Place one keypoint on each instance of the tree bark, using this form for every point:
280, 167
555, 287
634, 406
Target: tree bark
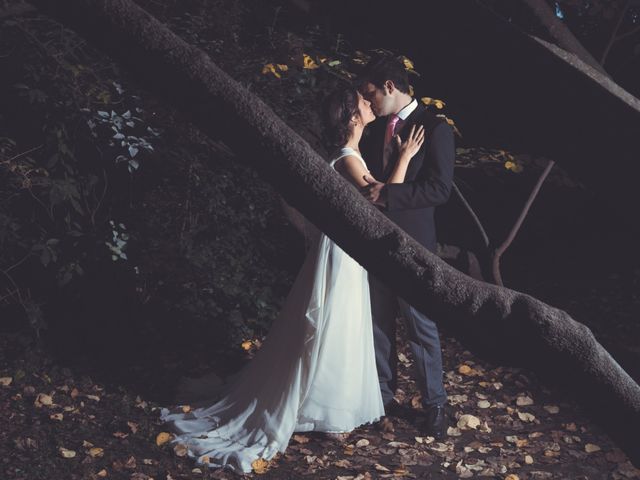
497, 322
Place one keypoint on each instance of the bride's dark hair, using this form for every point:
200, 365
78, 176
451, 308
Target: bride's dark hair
339, 107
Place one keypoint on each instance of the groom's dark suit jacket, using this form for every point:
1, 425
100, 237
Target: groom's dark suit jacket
429, 176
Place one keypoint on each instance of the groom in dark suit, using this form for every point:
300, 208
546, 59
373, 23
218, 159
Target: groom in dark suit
411, 205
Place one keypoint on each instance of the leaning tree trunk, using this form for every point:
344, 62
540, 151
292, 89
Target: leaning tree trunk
561, 34
499, 322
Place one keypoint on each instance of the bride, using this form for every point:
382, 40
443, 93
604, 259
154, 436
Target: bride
316, 370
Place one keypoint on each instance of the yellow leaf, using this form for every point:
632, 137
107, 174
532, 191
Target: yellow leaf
514, 167
102, 473
246, 345
270, 68
411, 91
322, 58
590, 448
528, 459
439, 104
282, 67
426, 100
96, 452
512, 476
66, 453
186, 409
259, 466
5, 381
205, 459
465, 370
162, 438
309, 63
408, 64
56, 416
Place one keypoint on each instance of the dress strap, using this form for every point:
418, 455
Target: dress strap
345, 152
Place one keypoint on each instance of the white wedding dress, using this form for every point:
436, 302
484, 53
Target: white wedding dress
316, 370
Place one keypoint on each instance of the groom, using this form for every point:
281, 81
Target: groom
384, 82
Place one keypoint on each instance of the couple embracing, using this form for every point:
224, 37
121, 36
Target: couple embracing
329, 361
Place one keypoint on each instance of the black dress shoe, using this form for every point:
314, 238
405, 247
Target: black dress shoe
435, 423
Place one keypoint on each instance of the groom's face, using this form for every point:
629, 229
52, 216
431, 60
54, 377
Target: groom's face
381, 101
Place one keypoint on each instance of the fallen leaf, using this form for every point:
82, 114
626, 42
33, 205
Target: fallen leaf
553, 409
457, 399
180, 450
453, 432
268, 68
344, 463
309, 63
96, 452
93, 397
416, 401
523, 401
185, 409
102, 473
528, 459
133, 427
484, 404
526, 417
6, 381
466, 422
43, 400
120, 435
56, 416
259, 466
162, 438
301, 438
512, 476
590, 448
66, 453
387, 425
363, 442
465, 370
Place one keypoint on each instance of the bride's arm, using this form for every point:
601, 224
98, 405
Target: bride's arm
353, 170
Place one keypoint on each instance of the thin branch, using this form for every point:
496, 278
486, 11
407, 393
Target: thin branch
473, 214
633, 31
23, 153
516, 227
613, 38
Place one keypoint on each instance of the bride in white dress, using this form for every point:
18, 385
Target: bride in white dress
316, 370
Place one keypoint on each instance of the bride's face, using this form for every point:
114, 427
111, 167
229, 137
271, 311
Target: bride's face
364, 109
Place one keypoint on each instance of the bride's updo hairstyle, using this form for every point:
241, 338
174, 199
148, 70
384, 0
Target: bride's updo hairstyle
339, 107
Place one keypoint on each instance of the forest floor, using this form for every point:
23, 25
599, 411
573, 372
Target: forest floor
67, 419
62, 423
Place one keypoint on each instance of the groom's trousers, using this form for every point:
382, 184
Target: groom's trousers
424, 342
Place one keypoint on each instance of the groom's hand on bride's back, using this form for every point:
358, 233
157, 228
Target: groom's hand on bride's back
374, 191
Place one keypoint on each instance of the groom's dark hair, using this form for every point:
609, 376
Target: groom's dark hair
385, 67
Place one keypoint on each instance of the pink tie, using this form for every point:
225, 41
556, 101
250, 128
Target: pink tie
391, 128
